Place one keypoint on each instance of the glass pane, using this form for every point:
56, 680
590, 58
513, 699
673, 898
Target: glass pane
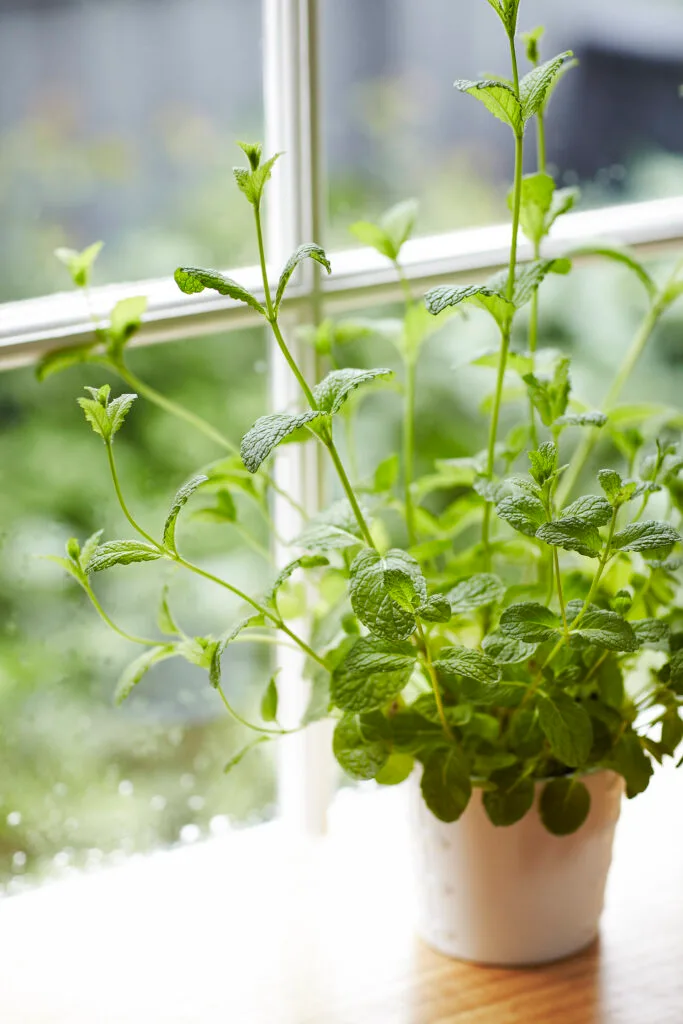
83, 780
117, 122
395, 127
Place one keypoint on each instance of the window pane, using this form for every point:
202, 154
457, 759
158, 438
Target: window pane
117, 122
397, 128
83, 780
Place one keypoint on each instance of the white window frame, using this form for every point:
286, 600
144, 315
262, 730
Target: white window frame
295, 215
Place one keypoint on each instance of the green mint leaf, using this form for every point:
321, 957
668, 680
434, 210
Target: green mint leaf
334, 528
304, 562
531, 276
462, 661
181, 499
97, 416
253, 152
239, 757
625, 258
647, 536
118, 409
124, 322
80, 264
390, 234
224, 511
218, 647
530, 622
537, 198
612, 484
398, 223
269, 701
543, 463
359, 749
523, 512
310, 251
499, 98
89, 548
165, 620
121, 552
372, 674
595, 420
531, 40
653, 632
252, 182
608, 630
525, 734
333, 392
401, 588
590, 509
564, 806
629, 760
572, 534
567, 728
372, 576
63, 359
132, 675
192, 280
386, 474
564, 200
672, 733
505, 650
375, 237
68, 565
398, 768
268, 432
436, 609
478, 591
484, 297
510, 802
517, 362
446, 785
535, 87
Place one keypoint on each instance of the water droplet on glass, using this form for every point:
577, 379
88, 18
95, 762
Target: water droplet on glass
187, 781
14, 818
158, 803
195, 803
126, 787
19, 859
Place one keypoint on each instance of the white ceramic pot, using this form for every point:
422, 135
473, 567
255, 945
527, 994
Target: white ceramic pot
518, 895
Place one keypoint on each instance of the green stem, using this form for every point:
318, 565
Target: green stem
431, 671
560, 593
112, 625
590, 438
540, 136
507, 330
267, 612
348, 490
171, 407
249, 725
310, 398
122, 501
409, 446
199, 424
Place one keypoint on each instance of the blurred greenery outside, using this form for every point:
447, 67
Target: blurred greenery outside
80, 781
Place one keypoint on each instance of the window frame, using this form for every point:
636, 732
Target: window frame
30, 328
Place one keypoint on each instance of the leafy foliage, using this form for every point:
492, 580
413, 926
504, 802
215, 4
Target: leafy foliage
481, 622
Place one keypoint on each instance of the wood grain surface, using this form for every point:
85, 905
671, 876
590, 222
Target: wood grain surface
259, 928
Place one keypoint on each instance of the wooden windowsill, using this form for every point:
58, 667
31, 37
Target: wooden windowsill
259, 928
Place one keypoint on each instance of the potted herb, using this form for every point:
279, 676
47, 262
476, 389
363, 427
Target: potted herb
517, 657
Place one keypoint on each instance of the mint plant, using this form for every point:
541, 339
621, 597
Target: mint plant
524, 633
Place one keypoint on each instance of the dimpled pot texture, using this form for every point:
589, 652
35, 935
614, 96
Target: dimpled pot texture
513, 896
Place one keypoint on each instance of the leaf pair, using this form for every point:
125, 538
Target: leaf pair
492, 297
502, 100
330, 396
105, 415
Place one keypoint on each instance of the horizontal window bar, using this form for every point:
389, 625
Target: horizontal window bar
360, 277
